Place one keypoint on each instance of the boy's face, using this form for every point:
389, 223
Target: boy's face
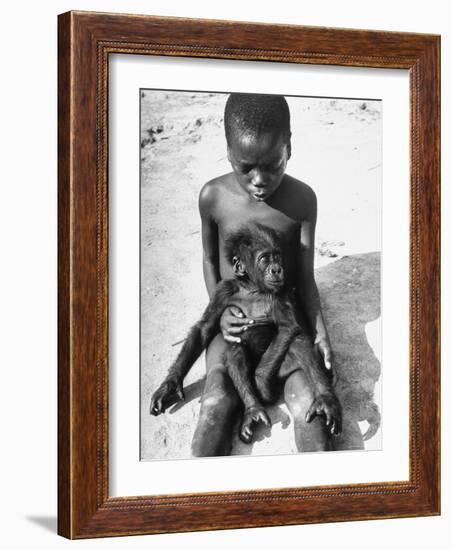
259, 162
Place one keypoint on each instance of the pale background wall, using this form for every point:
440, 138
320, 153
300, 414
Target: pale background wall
28, 277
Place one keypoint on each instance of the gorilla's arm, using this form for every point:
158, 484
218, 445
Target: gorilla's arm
197, 340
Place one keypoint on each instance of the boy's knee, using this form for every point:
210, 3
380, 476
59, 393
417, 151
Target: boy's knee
214, 353
213, 432
218, 405
218, 402
299, 402
219, 389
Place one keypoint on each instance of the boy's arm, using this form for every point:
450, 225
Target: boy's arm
209, 234
233, 321
307, 290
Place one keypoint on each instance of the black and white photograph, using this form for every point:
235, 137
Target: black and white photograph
260, 305
224, 236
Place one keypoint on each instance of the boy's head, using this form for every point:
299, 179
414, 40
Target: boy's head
258, 135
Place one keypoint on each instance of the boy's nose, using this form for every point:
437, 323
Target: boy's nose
257, 179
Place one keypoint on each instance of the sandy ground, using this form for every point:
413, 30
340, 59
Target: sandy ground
336, 149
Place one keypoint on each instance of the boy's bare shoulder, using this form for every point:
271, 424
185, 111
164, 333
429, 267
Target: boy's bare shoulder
300, 198
301, 189
212, 191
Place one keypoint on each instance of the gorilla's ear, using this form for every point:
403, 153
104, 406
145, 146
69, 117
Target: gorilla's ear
238, 267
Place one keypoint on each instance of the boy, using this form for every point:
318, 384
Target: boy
257, 129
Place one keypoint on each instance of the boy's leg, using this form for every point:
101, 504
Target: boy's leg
299, 395
219, 405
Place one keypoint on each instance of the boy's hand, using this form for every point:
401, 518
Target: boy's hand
323, 347
232, 323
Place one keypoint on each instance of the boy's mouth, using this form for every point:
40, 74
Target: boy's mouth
260, 195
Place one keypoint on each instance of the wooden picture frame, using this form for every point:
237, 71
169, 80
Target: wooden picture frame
85, 42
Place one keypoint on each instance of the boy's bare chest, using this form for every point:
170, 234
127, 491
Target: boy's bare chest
236, 213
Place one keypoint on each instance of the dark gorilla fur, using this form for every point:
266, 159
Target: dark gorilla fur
258, 289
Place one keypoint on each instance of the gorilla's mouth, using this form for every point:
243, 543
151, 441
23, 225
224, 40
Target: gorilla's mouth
276, 283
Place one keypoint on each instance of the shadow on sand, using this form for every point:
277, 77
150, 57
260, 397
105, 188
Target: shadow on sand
350, 294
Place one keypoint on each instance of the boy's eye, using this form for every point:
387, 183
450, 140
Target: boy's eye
245, 168
273, 166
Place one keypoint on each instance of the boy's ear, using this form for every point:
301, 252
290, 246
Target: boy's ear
289, 147
229, 154
238, 267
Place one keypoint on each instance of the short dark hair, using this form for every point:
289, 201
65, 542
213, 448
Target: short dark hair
256, 113
249, 238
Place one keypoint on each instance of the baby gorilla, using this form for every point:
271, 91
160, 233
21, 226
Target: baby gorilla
258, 289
